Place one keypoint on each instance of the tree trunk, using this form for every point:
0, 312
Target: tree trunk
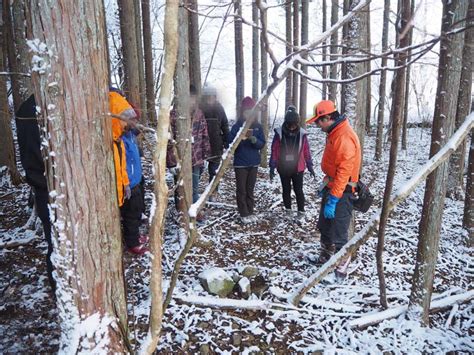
368, 109
194, 50
457, 162
443, 124
239, 57
296, 42
70, 85
396, 116
255, 51
304, 82
383, 83
264, 80
148, 54
324, 94
334, 51
468, 218
130, 50
345, 37
141, 60
289, 46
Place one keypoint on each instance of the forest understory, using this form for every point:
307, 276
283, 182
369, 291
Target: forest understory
276, 246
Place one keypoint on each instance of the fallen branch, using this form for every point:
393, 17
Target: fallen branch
403, 191
17, 242
436, 306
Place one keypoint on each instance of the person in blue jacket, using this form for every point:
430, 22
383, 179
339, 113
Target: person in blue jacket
247, 160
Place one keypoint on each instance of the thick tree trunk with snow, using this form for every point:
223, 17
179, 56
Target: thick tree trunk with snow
255, 51
239, 57
148, 55
457, 161
334, 42
289, 42
468, 218
129, 50
71, 83
435, 190
159, 166
383, 83
141, 59
396, 117
304, 82
296, 42
194, 50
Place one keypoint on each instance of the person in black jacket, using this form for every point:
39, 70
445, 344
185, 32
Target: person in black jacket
217, 128
29, 142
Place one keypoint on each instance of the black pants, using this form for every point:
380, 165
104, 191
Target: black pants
335, 230
212, 168
41, 203
286, 182
245, 182
131, 212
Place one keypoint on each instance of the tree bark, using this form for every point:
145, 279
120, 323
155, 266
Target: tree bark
396, 116
239, 57
141, 60
149, 73
457, 163
334, 50
255, 51
289, 46
383, 83
304, 82
264, 118
194, 50
368, 109
296, 42
468, 218
435, 190
129, 50
324, 94
70, 85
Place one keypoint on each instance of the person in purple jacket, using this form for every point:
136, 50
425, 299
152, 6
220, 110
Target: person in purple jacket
290, 157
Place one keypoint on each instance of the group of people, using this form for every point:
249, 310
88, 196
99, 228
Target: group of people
211, 136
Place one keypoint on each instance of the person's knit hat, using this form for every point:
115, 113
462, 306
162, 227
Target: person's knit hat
248, 103
291, 115
208, 90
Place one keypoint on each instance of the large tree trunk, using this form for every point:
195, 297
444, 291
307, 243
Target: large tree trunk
141, 59
457, 162
334, 51
129, 50
304, 82
383, 83
296, 43
396, 116
255, 51
324, 94
468, 218
194, 50
70, 85
148, 54
264, 118
368, 109
443, 124
239, 57
289, 41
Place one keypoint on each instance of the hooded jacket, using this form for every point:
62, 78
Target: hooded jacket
217, 129
132, 154
247, 153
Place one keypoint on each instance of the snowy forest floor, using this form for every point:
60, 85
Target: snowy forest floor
278, 247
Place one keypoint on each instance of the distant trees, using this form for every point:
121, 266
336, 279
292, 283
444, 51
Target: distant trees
194, 49
148, 57
239, 57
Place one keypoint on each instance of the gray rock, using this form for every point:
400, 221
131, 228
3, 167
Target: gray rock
259, 286
204, 349
216, 281
235, 276
244, 287
236, 339
250, 271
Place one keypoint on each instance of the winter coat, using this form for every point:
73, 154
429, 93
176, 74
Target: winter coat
201, 148
132, 154
341, 158
247, 153
217, 128
290, 154
117, 105
29, 142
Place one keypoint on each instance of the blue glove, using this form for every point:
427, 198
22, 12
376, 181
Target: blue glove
330, 207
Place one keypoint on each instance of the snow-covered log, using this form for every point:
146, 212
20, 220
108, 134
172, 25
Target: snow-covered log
402, 192
436, 306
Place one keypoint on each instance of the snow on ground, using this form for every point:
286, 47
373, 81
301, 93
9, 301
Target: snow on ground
278, 248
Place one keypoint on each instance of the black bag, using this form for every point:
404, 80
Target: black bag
364, 198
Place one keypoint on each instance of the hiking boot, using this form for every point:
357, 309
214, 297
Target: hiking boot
253, 218
139, 250
300, 216
343, 267
246, 220
325, 253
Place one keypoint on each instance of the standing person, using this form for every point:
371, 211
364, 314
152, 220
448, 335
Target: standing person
29, 142
291, 156
341, 163
247, 160
217, 127
130, 203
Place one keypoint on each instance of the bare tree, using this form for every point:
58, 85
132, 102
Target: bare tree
396, 116
264, 118
468, 218
333, 50
239, 56
296, 42
324, 94
304, 81
457, 161
255, 51
368, 109
194, 50
70, 83
289, 46
140, 56
383, 83
435, 190
148, 55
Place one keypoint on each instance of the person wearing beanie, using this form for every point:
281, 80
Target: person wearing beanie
341, 165
291, 156
217, 128
247, 160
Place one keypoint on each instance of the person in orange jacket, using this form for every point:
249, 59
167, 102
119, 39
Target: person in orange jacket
341, 165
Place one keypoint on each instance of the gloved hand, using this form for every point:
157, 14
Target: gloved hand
128, 192
253, 139
312, 173
272, 174
330, 207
